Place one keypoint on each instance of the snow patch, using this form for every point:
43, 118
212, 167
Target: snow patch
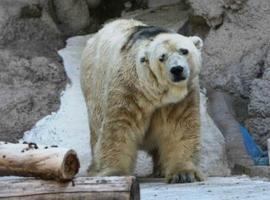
68, 127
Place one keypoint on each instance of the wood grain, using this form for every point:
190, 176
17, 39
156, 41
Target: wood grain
107, 188
47, 162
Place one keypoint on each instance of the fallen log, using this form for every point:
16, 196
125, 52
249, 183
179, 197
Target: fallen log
105, 188
30, 159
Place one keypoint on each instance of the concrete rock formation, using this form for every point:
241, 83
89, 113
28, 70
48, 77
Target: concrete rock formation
31, 73
236, 56
236, 60
213, 158
72, 16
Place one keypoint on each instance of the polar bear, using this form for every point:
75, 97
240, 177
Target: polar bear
141, 89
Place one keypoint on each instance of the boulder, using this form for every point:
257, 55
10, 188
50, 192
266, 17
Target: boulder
259, 104
29, 88
93, 3
211, 10
213, 158
31, 75
72, 15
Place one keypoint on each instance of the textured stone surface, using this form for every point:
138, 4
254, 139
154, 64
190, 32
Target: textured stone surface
29, 89
156, 3
211, 10
172, 16
220, 109
93, 3
31, 75
234, 4
72, 15
236, 56
259, 105
213, 158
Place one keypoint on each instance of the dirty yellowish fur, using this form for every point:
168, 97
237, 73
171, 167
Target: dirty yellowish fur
134, 104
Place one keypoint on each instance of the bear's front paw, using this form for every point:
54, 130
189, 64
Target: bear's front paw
185, 177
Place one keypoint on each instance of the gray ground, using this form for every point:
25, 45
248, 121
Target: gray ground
216, 188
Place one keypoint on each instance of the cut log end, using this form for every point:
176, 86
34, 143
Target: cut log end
70, 166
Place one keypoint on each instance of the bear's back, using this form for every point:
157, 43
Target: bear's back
102, 57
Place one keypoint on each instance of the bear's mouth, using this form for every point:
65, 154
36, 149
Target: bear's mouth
179, 78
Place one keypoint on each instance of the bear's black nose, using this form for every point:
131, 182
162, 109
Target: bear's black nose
177, 73
177, 70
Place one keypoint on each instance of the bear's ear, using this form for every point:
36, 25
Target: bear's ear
197, 42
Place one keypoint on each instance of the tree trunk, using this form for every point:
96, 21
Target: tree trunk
105, 188
47, 162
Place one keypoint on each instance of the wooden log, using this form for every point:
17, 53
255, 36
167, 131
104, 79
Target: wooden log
105, 188
47, 162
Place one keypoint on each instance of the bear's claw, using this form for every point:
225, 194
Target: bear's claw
184, 177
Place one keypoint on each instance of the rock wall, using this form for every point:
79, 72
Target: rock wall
31, 73
213, 156
237, 57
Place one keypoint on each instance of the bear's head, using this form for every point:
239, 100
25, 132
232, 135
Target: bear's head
172, 58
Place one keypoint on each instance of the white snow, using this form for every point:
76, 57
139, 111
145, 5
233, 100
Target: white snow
68, 127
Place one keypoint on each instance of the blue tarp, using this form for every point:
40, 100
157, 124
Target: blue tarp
258, 156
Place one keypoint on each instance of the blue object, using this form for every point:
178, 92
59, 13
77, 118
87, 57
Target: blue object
258, 156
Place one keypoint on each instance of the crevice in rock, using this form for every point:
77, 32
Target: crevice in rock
195, 25
31, 11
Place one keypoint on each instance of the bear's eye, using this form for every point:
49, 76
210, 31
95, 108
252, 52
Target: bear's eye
183, 51
162, 58
143, 59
